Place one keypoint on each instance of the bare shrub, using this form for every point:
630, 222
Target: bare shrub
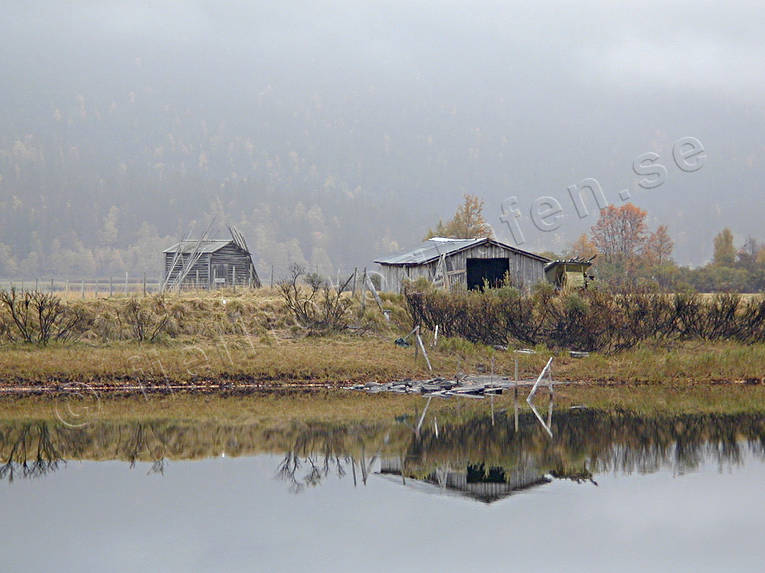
592, 319
37, 317
314, 304
146, 320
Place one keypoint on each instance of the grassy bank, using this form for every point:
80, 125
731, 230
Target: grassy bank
249, 338
342, 360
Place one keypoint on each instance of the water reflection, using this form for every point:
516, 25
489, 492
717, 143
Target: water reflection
478, 457
30, 452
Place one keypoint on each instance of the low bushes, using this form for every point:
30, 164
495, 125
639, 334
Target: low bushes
37, 317
315, 305
589, 320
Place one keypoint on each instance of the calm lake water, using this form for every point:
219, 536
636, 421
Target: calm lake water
607, 493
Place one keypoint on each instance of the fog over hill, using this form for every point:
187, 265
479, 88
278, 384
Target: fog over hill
334, 132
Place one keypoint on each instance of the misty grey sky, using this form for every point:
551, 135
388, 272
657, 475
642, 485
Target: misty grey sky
424, 101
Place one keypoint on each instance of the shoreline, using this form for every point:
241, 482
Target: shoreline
338, 362
230, 387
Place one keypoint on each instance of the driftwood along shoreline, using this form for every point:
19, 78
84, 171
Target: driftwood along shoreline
468, 386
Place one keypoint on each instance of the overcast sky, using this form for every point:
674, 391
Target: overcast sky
512, 99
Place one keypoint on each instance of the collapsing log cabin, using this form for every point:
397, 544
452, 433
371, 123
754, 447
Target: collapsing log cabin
209, 264
463, 264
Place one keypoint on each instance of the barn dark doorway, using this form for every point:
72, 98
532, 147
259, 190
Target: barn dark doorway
493, 270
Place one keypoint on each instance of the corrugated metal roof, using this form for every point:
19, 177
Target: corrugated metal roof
429, 251
209, 246
433, 248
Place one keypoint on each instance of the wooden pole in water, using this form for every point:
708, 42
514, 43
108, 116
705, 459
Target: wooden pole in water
491, 397
144, 284
515, 394
422, 418
82, 286
51, 286
422, 347
111, 287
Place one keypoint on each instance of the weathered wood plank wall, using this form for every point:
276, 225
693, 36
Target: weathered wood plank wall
525, 271
230, 264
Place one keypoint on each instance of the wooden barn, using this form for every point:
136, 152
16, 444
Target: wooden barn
462, 264
209, 264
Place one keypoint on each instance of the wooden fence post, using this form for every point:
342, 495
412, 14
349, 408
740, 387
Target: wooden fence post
364, 292
111, 287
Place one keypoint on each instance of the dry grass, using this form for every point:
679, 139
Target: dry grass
247, 336
345, 359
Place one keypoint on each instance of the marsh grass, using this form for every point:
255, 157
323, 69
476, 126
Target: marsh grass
249, 337
341, 360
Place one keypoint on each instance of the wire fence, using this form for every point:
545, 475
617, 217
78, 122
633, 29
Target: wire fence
86, 288
129, 286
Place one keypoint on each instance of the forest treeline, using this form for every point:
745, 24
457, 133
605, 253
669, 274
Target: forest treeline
74, 203
75, 208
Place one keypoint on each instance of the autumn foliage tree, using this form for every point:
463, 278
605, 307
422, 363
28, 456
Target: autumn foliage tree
725, 252
583, 248
630, 254
468, 222
620, 234
658, 246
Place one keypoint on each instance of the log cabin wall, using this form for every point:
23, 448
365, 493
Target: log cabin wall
225, 266
198, 277
232, 266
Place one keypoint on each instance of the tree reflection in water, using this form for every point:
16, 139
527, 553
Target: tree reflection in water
462, 451
31, 452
